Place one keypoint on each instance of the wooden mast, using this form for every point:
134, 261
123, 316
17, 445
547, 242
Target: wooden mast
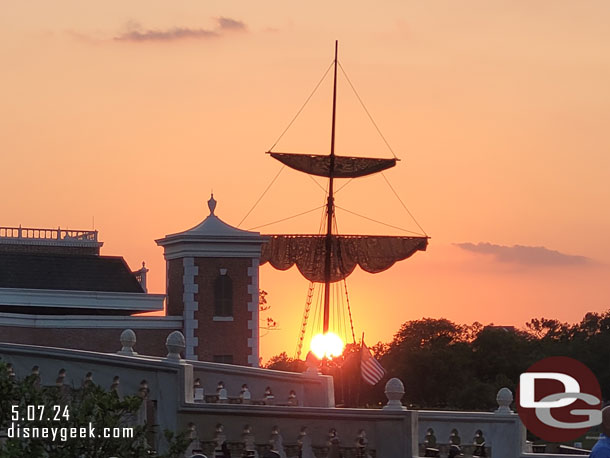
330, 206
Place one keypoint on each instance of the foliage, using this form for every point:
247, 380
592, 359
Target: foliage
283, 362
266, 323
61, 408
444, 365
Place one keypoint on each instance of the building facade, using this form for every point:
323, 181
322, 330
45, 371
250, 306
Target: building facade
212, 283
56, 289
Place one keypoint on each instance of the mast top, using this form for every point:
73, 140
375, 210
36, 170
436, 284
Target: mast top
330, 165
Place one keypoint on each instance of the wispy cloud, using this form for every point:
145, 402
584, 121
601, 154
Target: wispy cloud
227, 23
137, 33
525, 255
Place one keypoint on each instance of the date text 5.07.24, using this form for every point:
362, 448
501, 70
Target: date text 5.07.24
39, 413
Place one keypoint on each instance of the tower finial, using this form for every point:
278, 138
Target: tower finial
212, 204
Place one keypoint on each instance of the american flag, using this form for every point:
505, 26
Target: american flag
370, 369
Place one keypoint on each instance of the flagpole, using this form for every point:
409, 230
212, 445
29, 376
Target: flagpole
360, 372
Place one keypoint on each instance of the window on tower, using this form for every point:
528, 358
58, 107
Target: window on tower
223, 296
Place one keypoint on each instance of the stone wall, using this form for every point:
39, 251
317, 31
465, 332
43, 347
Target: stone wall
150, 341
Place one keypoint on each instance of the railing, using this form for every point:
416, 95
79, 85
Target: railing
498, 434
31, 233
172, 389
286, 387
215, 402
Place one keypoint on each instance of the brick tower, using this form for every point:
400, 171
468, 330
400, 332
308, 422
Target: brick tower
212, 283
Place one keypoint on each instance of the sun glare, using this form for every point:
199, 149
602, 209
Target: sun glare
327, 345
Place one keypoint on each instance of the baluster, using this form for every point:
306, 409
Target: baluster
247, 438
304, 443
334, 444
479, 444
277, 442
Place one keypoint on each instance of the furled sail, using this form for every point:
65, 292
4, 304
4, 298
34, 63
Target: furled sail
372, 253
344, 166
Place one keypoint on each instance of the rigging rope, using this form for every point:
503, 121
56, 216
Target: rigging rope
349, 309
310, 294
303, 106
343, 186
402, 203
286, 219
318, 184
317, 317
377, 221
366, 110
310, 291
262, 195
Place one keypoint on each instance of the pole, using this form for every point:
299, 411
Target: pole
360, 372
330, 206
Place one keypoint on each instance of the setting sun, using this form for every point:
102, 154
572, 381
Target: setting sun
327, 345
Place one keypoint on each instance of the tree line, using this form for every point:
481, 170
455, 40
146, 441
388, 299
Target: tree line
445, 365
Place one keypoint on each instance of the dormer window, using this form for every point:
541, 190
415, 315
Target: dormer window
223, 295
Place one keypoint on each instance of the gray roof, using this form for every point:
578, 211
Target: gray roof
67, 272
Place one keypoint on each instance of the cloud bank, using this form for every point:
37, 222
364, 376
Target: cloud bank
525, 255
136, 33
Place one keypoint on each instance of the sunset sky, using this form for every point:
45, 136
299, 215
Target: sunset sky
127, 114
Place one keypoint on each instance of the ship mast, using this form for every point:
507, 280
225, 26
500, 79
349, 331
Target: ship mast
342, 253
330, 206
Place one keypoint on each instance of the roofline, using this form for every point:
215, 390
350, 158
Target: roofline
88, 321
51, 242
181, 237
76, 299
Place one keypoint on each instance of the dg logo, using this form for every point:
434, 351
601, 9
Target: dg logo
559, 399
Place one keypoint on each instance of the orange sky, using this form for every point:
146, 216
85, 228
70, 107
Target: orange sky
131, 112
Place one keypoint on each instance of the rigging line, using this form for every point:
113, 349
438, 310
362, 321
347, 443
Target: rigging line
335, 226
323, 216
340, 315
314, 318
345, 329
286, 219
402, 203
303, 106
366, 110
318, 184
262, 195
342, 267
341, 310
317, 313
331, 314
338, 312
379, 222
310, 298
343, 186
303, 330
322, 221
349, 309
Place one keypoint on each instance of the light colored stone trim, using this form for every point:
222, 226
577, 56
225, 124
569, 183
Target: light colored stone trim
253, 307
24, 297
222, 318
51, 242
190, 306
89, 321
213, 248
